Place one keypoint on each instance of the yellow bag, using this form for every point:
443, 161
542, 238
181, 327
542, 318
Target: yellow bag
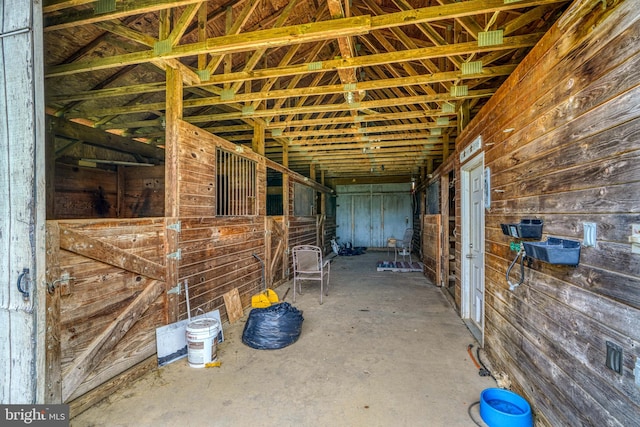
264, 299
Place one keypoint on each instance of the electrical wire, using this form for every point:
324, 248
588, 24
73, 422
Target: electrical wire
484, 371
471, 415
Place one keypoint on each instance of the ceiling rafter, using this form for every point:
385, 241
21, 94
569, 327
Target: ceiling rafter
343, 88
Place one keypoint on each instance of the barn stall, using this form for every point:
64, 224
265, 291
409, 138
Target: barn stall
132, 269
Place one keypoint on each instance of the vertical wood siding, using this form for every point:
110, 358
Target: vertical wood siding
430, 242
572, 157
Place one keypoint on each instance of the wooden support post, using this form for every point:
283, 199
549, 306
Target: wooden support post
269, 255
22, 207
120, 186
202, 33
445, 146
463, 116
257, 143
287, 209
172, 188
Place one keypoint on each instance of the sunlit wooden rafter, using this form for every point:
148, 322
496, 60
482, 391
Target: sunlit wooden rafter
296, 72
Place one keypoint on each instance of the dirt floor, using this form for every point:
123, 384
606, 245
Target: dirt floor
385, 349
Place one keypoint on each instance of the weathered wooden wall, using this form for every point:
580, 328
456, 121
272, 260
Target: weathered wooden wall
302, 230
572, 157
129, 192
217, 252
115, 268
431, 247
330, 230
143, 192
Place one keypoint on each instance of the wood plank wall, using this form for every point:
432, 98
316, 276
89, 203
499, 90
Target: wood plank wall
83, 192
330, 231
142, 192
217, 252
431, 244
572, 157
302, 230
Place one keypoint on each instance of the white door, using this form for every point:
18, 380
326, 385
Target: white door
473, 247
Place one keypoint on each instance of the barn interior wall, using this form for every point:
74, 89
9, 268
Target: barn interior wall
561, 141
122, 192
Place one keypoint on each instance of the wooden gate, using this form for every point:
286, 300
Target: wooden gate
106, 281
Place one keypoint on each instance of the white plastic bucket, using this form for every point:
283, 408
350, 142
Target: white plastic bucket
202, 341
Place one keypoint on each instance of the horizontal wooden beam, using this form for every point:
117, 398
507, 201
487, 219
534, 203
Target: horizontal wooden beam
464, 48
284, 36
297, 177
123, 9
275, 37
103, 139
98, 250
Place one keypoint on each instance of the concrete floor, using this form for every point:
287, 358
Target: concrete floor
385, 349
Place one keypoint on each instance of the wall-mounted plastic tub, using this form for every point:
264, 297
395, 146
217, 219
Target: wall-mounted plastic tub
504, 408
554, 251
526, 229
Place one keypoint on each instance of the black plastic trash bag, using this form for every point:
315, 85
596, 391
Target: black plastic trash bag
273, 327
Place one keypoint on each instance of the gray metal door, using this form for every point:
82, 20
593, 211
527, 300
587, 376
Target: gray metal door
367, 215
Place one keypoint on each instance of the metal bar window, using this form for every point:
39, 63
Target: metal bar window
236, 184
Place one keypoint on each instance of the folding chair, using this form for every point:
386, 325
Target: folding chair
309, 265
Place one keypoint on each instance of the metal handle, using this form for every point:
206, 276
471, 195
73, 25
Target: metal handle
24, 277
470, 256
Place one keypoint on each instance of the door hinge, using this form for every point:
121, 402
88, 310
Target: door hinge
175, 255
175, 290
175, 227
